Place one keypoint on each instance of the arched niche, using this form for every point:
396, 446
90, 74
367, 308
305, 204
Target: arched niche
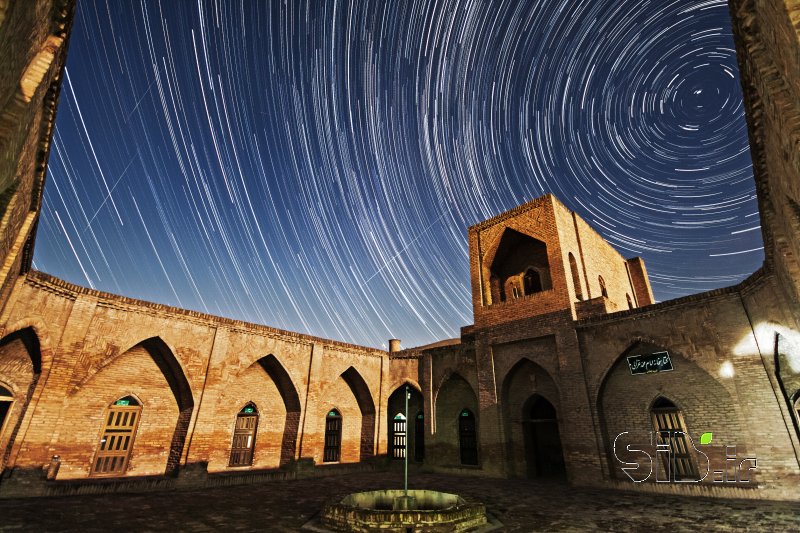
399, 430
366, 405
624, 403
151, 371
523, 381
515, 257
20, 369
454, 395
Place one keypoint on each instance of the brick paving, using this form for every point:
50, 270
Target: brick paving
522, 506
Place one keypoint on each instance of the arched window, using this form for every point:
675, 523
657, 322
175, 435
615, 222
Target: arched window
113, 454
467, 438
576, 277
532, 281
333, 437
630, 302
6, 399
399, 436
670, 429
244, 436
602, 282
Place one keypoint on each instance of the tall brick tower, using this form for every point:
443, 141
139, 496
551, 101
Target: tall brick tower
540, 258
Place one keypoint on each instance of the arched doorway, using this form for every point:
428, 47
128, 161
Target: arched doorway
399, 435
402, 426
455, 424
244, 436
543, 453
524, 383
468, 437
116, 442
333, 437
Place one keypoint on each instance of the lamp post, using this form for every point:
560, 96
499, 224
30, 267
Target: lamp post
405, 454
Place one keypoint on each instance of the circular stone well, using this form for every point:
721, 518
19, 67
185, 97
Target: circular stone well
380, 511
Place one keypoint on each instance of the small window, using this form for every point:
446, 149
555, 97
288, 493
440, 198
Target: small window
399, 436
116, 441
603, 290
532, 281
515, 291
670, 429
244, 436
576, 277
333, 437
467, 438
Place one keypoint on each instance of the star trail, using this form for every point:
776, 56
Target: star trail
313, 166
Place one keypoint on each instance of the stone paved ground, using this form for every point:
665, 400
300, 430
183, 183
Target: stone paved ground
522, 506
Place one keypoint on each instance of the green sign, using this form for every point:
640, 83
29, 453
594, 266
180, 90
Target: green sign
649, 363
248, 409
123, 401
333, 413
465, 412
420, 416
399, 416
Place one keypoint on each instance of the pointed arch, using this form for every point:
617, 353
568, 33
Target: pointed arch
526, 443
172, 371
40, 331
628, 403
366, 405
20, 368
291, 401
544, 455
400, 431
505, 263
454, 396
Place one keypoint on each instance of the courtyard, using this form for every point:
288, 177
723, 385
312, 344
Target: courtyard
521, 505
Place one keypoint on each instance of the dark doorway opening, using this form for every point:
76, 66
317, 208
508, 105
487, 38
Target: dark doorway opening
468, 438
419, 433
333, 437
543, 452
403, 428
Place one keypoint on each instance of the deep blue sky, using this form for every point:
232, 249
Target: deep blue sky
314, 165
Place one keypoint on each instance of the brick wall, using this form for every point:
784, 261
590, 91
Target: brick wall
767, 47
33, 39
192, 373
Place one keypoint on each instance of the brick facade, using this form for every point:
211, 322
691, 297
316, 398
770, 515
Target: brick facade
542, 372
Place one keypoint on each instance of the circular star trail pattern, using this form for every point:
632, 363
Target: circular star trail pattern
313, 166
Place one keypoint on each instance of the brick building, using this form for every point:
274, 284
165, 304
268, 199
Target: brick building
101, 392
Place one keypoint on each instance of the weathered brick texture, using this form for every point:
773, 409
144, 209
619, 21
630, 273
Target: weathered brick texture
67, 353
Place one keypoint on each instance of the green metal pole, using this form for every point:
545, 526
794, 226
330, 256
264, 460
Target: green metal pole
406, 443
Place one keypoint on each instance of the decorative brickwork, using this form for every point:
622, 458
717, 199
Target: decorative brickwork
539, 384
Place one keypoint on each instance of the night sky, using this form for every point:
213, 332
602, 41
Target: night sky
314, 165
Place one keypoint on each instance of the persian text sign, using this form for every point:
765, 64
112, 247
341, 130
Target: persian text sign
649, 363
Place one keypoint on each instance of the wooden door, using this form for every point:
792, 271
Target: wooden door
116, 442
